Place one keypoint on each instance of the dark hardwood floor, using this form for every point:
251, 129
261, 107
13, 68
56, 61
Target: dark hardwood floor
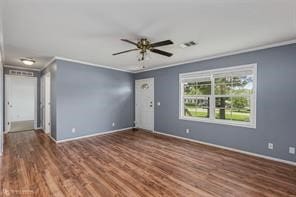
137, 163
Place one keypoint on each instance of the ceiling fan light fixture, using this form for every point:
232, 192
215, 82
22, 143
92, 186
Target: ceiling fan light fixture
144, 46
28, 61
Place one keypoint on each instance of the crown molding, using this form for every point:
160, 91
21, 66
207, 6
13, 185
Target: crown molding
82, 62
21, 68
278, 44
47, 64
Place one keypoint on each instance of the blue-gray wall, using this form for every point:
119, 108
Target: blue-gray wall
89, 99
37, 75
276, 103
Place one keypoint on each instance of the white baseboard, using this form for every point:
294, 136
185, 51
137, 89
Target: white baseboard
50, 137
230, 149
38, 128
87, 136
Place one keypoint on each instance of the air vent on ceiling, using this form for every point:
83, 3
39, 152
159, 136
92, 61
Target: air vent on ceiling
188, 44
21, 73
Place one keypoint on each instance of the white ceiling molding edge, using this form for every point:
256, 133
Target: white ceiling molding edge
21, 68
48, 63
82, 62
278, 44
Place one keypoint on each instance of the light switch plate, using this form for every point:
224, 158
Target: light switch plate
270, 146
292, 150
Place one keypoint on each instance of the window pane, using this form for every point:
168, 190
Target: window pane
222, 85
203, 87
241, 109
242, 84
233, 108
190, 88
223, 102
235, 84
197, 107
198, 87
223, 114
223, 108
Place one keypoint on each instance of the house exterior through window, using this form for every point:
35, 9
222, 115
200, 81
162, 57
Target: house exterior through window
225, 96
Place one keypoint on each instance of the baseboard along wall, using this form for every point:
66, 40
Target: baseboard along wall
228, 148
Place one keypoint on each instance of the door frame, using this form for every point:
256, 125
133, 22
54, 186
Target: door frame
45, 86
153, 119
7, 79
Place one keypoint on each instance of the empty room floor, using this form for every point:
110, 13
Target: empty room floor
135, 163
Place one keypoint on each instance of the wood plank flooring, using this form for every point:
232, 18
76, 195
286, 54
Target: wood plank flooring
135, 163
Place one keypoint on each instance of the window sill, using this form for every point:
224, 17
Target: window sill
224, 122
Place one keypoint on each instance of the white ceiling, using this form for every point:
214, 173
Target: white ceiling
89, 30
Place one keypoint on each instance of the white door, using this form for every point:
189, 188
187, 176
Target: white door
46, 111
144, 96
21, 93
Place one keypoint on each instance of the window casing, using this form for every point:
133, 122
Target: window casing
224, 96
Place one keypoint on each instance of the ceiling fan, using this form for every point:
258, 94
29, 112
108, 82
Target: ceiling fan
144, 45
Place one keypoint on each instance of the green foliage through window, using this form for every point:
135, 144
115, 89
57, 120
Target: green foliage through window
231, 95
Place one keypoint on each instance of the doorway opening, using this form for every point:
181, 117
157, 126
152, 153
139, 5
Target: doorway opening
20, 103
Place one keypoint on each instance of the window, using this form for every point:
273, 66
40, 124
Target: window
225, 96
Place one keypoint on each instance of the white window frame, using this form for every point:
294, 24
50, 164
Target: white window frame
211, 73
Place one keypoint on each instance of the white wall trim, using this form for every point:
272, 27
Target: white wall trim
50, 137
82, 62
92, 135
277, 44
21, 68
230, 149
47, 64
90, 64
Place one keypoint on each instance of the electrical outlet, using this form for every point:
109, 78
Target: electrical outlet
113, 124
73, 130
270, 146
292, 150
187, 131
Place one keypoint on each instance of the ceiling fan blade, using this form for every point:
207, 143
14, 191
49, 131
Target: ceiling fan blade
125, 51
128, 41
162, 43
161, 52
